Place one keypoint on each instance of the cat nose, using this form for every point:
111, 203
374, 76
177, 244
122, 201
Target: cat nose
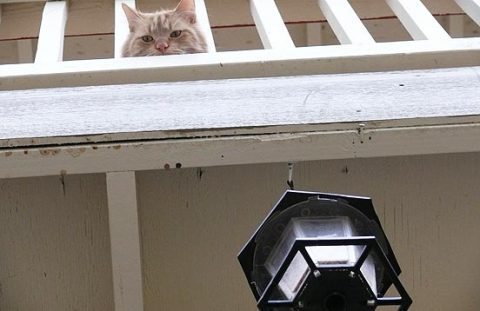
161, 46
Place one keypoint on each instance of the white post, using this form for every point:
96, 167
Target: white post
417, 20
270, 25
121, 25
472, 8
347, 26
52, 31
125, 241
204, 23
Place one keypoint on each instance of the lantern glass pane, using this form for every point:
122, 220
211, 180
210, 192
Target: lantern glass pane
294, 277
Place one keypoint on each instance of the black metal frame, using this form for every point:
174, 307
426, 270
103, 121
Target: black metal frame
370, 243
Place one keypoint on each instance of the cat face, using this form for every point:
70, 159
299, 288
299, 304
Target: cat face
164, 32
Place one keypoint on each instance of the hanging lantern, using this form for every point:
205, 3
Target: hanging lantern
322, 252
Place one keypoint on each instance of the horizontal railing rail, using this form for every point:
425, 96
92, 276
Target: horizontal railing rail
431, 47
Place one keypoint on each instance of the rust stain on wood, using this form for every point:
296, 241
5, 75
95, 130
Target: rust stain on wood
48, 152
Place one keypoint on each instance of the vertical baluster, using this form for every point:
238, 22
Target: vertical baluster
204, 23
417, 20
121, 25
270, 25
472, 8
52, 32
345, 23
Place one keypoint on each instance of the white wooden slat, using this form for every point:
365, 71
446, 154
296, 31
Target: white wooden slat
121, 25
417, 20
472, 8
25, 51
347, 26
125, 241
204, 23
270, 25
246, 64
52, 31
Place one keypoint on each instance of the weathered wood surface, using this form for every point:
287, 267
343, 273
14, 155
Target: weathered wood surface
164, 110
201, 124
55, 244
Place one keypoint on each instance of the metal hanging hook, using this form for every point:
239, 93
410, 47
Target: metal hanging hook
290, 176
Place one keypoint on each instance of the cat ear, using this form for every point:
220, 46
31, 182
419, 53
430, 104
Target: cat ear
133, 17
186, 8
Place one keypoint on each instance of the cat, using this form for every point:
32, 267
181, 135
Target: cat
164, 32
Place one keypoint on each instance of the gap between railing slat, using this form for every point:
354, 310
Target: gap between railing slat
204, 23
418, 21
52, 32
121, 25
345, 23
270, 25
472, 8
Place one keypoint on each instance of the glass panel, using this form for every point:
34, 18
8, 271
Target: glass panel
294, 277
368, 271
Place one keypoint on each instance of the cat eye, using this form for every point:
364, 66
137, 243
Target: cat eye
175, 34
147, 38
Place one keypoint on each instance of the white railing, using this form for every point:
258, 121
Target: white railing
357, 51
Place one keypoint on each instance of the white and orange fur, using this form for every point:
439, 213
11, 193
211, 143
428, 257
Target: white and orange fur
165, 32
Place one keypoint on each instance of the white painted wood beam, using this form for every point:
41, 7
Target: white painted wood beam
125, 241
245, 64
121, 25
265, 102
25, 51
472, 8
417, 20
204, 23
270, 25
346, 24
377, 140
52, 32
281, 119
